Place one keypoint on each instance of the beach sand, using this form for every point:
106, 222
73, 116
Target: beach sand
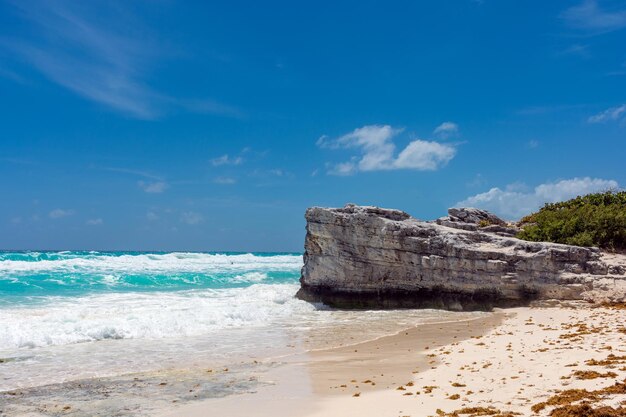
511, 361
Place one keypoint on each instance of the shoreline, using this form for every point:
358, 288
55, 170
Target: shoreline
508, 361
520, 363
196, 379
303, 380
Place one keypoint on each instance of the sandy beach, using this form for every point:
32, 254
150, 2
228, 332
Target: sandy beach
521, 361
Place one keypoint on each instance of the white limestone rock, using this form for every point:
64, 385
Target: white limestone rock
373, 257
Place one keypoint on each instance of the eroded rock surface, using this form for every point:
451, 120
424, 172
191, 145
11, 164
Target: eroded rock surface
468, 218
372, 257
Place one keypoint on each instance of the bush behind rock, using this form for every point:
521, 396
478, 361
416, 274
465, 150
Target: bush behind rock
592, 220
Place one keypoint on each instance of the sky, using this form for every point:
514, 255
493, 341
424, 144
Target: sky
198, 126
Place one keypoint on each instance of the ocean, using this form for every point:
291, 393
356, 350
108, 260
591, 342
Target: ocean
73, 315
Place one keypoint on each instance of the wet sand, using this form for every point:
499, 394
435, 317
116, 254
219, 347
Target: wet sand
519, 361
303, 382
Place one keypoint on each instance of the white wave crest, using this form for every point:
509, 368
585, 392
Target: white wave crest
249, 277
62, 321
157, 263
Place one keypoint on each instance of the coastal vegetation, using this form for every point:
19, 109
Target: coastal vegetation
591, 220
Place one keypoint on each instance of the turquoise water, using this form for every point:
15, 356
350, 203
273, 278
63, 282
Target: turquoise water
27, 276
59, 298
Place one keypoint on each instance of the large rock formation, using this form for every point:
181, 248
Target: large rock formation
373, 257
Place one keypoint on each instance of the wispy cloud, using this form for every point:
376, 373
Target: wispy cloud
617, 73
94, 222
17, 161
590, 17
153, 187
136, 172
549, 109
11, 75
378, 152
60, 213
609, 115
577, 49
516, 200
208, 106
446, 130
191, 218
153, 183
99, 53
225, 180
532, 144
269, 173
477, 181
226, 160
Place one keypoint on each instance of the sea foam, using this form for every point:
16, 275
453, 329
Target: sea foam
65, 320
167, 262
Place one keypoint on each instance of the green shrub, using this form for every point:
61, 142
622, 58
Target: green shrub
591, 220
484, 223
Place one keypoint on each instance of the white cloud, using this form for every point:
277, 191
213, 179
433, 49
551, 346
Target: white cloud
378, 152
424, 155
589, 16
608, 115
342, 168
446, 130
59, 213
152, 216
224, 180
94, 222
226, 160
271, 173
191, 217
153, 187
516, 200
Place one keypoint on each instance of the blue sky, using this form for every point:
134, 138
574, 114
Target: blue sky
159, 125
